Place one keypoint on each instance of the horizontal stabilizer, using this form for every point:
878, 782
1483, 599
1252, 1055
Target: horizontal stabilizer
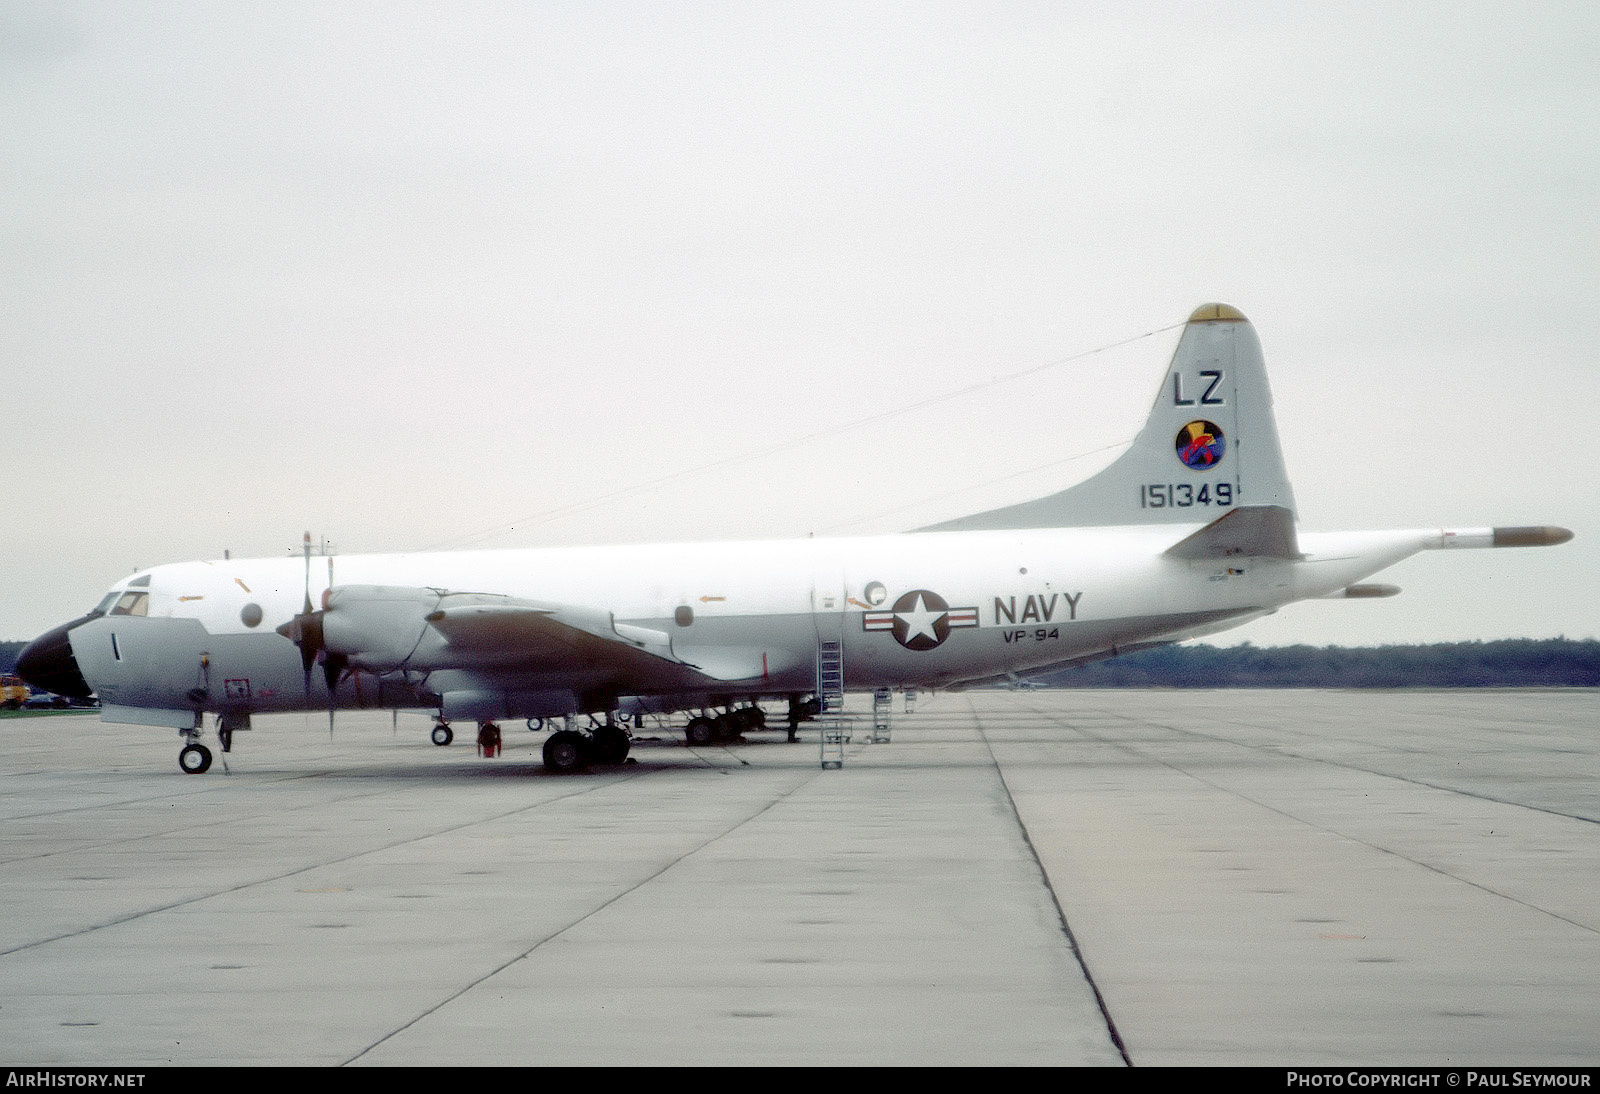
1254, 530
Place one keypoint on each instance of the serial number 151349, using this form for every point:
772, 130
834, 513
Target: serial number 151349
1183, 495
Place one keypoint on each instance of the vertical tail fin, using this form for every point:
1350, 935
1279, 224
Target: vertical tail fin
1210, 444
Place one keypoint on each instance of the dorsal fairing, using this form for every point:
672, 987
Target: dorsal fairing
1210, 443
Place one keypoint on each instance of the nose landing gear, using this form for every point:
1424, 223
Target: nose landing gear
194, 758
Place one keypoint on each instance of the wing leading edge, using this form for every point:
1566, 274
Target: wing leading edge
387, 629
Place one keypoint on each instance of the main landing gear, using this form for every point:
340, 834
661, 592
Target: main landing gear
567, 749
703, 729
610, 743
570, 750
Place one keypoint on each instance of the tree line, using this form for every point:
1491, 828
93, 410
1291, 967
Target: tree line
1504, 663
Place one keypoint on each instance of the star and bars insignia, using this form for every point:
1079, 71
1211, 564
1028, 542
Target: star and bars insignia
920, 620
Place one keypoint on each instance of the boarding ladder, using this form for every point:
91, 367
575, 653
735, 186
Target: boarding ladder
834, 728
880, 715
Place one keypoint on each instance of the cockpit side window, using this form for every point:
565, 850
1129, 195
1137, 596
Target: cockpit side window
133, 603
105, 605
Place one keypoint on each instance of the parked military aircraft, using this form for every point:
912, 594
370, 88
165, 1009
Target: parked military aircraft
1190, 531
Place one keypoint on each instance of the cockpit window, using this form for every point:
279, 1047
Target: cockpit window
105, 605
132, 603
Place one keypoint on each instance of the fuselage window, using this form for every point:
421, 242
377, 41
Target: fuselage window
132, 603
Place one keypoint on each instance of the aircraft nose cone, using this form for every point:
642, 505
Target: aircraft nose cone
48, 664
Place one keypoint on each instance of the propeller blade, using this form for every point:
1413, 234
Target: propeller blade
334, 666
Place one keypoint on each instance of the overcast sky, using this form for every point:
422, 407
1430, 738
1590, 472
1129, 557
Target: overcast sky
419, 276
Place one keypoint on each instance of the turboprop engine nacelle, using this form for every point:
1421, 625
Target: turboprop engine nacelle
379, 628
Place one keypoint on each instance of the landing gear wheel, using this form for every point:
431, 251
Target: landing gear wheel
194, 759
610, 745
728, 726
441, 735
566, 751
700, 730
754, 718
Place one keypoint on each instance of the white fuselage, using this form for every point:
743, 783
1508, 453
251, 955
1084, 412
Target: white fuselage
910, 610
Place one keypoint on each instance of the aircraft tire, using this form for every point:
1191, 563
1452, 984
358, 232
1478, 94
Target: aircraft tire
700, 730
754, 718
194, 759
610, 745
442, 735
728, 726
566, 751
